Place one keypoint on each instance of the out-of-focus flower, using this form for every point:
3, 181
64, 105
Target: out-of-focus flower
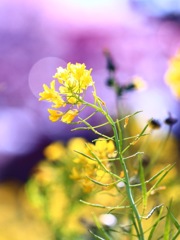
54, 151
172, 75
88, 168
138, 83
73, 82
44, 174
77, 144
103, 148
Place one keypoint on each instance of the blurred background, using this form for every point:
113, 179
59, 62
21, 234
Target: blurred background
38, 36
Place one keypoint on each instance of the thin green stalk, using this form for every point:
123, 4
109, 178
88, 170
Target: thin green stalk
126, 176
127, 183
118, 144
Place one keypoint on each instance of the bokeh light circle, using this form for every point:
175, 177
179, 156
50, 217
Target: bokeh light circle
42, 72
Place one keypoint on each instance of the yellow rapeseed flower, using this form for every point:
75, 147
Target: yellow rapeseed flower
49, 92
51, 95
71, 96
54, 151
172, 75
75, 78
54, 115
104, 148
44, 174
73, 82
77, 143
139, 83
87, 165
69, 116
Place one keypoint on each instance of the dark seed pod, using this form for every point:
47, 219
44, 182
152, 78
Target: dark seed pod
170, 120
154, 124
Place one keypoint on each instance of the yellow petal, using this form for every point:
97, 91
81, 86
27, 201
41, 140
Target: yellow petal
69, 116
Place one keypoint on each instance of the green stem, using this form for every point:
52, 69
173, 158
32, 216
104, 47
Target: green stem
137, 218
127, 183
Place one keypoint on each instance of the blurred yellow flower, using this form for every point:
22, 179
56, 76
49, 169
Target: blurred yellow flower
75, 174
77, 144
88, 167
172, 75
54, 151
44, 174
138, 82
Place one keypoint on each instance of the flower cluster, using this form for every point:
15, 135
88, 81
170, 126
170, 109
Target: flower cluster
172, 75
73, 82
93, 163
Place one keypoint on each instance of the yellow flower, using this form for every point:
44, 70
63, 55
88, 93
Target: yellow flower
138, 82
77, 144
51, 95
44, 174
79, 75
73, 81
104, 148
48, 93
61, 74
87, 185
69, 116
75, 174
71, 97
54, 115
172, 75
54, 151
75, 78
89, 167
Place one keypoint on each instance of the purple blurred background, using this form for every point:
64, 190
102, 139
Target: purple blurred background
38, 36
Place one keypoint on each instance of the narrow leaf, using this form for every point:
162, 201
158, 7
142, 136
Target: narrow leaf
102, 206
143, 184
96, 236
161, 178
104, 184
167, 224
174, 220
155, 225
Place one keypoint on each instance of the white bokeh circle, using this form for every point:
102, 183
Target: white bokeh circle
42, 72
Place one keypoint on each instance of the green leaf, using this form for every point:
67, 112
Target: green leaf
174, 220
167, 229
104, 184
102, 206
101, 229
153, 177
176, 235
161, 178
151, 237
136, 139
96, 236
143, 184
